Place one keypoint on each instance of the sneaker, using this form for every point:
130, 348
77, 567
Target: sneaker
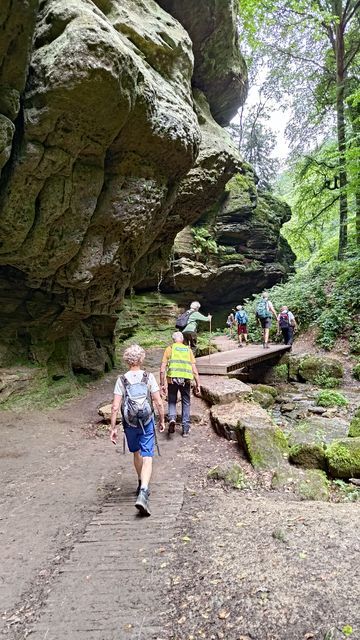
266, 346
185, 434
171, 426
142, 502
239, 345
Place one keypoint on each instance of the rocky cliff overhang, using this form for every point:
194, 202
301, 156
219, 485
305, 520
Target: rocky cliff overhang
241, 252
105, 157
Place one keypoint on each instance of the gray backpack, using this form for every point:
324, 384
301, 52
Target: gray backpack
136, 408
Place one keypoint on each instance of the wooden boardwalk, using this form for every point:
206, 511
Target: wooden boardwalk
225, 362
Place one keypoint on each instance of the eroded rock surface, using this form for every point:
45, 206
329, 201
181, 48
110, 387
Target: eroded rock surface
223, 390
104, 162
233, 250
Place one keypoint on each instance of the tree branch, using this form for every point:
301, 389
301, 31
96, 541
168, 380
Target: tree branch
351, 57
352, 12
319, 213
301, 58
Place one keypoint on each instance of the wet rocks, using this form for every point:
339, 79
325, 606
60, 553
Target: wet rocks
264, 395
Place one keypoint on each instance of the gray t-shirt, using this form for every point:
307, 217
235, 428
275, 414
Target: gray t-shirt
134, 377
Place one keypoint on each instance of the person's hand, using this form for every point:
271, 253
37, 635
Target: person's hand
161, 426
197, 390
163, 390
113, 435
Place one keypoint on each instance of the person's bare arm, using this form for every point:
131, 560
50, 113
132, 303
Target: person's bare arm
114, 412
163, 377
156, 397
271, 307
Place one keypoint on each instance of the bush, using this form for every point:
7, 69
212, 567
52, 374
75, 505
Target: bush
356, 371
331, 399
324, 295
326, 381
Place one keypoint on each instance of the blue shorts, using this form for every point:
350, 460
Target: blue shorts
141, 440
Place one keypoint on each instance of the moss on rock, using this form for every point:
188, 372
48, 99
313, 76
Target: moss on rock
343, 458
308, 455
354, 430
307, 484
231, 473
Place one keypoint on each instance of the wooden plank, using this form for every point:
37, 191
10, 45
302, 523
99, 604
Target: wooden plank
225, 362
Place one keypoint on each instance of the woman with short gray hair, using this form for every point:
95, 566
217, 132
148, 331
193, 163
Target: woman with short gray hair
135, 392
190, 331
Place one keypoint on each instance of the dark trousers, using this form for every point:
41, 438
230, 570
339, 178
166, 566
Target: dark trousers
288, 334
184, 389
190, 338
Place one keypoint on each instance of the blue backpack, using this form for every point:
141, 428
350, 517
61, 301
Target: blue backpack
262, 309
241, 317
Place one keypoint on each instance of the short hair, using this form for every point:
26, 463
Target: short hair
134, 355
195, 306
239, 307
265, 294
178, 336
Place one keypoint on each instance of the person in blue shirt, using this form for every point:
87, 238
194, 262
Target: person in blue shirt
241, 319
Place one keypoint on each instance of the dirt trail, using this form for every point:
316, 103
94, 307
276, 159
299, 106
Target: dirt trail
76, 562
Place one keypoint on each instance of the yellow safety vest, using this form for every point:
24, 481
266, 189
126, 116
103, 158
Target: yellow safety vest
179, 365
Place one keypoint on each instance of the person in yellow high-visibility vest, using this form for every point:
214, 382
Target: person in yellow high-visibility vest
179, 369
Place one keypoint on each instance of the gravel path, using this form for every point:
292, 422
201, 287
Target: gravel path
211, 562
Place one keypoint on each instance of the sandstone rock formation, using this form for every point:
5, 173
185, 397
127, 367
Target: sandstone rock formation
235, 249
105, 156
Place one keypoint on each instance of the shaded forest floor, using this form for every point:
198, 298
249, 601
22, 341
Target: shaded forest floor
211, 562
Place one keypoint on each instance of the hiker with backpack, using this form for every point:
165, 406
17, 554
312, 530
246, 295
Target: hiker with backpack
264, 312
241, 319
286, 325
135, 392
187, 324
230, 322
179, 369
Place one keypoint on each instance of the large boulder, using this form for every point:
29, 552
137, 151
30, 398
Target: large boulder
223, 390
309, 437
264, 443
343, 458
112, 158
312, 368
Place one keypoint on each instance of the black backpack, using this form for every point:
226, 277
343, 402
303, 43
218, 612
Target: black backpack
284, 321
183, 320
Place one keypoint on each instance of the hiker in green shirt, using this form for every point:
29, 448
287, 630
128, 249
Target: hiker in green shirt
190, 331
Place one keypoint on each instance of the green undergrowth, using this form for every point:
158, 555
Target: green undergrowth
46, 394
326, 296
345, 492
331, 399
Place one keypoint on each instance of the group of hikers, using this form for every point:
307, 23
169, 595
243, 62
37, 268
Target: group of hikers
137, 392
286, 324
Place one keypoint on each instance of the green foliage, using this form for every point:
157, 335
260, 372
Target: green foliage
354, 341
346, 492
331, 399
354, 430
326, 296
204, 243
356, 371
232, 475
326, 381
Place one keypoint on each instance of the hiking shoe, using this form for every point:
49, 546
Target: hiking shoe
171, 427
185, 434
142, 502
239, 345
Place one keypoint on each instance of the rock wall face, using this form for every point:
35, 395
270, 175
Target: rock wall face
235, 250
105, 155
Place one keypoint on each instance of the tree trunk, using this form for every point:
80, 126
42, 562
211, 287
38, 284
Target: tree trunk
341, 131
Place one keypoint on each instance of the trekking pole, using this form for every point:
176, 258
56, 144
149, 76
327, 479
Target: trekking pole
210, 340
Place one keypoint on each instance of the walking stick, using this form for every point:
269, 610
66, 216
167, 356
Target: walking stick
210, 340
